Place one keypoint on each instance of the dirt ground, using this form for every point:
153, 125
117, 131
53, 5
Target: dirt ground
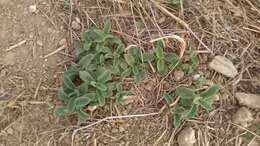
30, 76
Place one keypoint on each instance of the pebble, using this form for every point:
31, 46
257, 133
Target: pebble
242, 117
39, 43
178, 75
196, 77
187, 137
63, 42
129, 99
223, 66
249, 100
75, 25
32, 9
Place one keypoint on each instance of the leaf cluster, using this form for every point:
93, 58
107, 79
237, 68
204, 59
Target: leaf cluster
189, 102
89, 82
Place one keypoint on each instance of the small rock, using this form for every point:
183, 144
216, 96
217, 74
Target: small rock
121, 129
75, 25
63, 42
92, 108
10, 131
39, 43
186, 137
129, 99
223, 66
32, 9
249, 100
178, 75
242, 117
216, 97
196, 77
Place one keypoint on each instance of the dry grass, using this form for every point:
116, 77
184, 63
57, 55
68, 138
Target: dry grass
229, 28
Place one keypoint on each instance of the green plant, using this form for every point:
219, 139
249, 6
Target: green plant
189, 102
102, 57
192, 64
164, 61
136, 68
89, 82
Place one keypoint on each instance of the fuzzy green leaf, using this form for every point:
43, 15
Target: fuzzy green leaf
99, 36
101, 98
211, 91
86, 76
104, 77
159, 52
148, 56
205, 104
161, 66
86, 60
177, 120
193, 111
82, 116
71, 105
135, 70
172, 58
185, 93
135, 52
62, 110
98, 85
127, 72
67, 82
130, 59
82, 101
168, 98
83, 88
107, 26
62, 95
87, 46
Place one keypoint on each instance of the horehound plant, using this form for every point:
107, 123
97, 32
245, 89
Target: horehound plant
90, 82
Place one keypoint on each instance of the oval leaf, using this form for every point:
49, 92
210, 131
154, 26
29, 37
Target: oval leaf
127, 72
107, 26
177, 120
101, 98
104, 76
67, 82
193, 111
130, 59
86, 76
205, 104
82, 101
86, 60
62, 110
211, 91
148, 56
62, 95
168, 98
161, 66
99, 86
82, 116
159, 52
185, 93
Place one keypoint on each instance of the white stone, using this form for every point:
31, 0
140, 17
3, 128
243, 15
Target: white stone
186, 137
178, 75
249, 100
242, 117
223, 66
32, 8
75, 25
